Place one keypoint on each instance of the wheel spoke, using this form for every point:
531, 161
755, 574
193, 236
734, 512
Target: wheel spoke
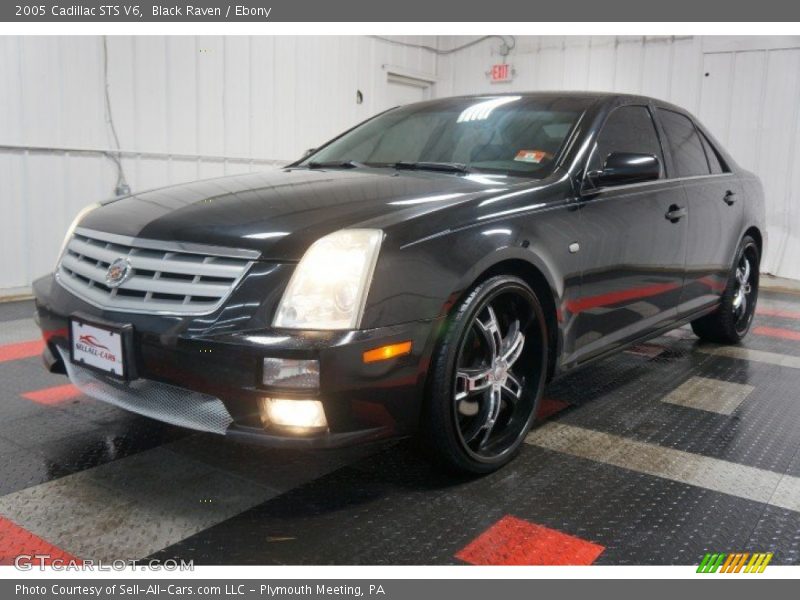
471, 381
491, 416
491, 331
743, 273
513, 347
743, 288
512, 387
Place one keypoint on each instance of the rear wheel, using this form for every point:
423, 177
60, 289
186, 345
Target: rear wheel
731, 322
487, 377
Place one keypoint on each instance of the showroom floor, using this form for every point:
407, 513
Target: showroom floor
656, 456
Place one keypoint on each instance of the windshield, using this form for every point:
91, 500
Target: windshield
505, 134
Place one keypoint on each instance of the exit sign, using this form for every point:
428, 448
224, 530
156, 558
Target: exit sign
502, 73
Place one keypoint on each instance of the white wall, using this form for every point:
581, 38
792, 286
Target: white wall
185, 108
189, 107
750, 99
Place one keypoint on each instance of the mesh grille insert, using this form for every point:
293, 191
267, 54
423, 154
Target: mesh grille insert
160, 401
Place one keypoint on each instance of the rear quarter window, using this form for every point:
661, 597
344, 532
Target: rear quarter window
715, 162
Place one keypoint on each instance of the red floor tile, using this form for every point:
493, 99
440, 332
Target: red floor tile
15, 540
777, 332
53, 395
21, 350
777, 312
513, 541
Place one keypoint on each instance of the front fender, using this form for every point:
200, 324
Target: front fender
422, 279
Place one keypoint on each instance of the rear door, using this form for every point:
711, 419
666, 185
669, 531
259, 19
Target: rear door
715, 209
632, 254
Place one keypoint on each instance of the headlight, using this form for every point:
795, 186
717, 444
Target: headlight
75, 222
329, 287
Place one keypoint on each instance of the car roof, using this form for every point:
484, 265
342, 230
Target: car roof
588, 96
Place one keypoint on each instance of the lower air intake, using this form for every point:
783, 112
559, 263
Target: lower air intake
159, 401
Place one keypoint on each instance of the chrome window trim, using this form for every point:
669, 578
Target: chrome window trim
642, 184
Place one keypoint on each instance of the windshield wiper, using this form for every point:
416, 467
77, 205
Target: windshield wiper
446, 167
335, 164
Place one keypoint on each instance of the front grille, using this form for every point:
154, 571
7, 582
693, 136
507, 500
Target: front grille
160, 401
165, 278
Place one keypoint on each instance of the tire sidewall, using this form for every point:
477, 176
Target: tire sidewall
440, 409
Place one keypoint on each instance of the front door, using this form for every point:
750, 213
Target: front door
633, 243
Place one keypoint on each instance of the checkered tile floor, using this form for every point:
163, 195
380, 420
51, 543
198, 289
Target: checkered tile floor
655, 456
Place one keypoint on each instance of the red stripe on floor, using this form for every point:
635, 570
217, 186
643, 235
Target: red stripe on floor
16, 541
777, 312
777, 332
583, 304
646, 350
548, 407
21, 350
53, 395
513, 541
715, 283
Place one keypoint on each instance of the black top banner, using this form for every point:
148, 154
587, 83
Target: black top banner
399, 11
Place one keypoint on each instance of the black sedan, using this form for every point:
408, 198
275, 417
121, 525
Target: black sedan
425, 273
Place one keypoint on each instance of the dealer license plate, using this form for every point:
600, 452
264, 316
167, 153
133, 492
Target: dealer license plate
97, 347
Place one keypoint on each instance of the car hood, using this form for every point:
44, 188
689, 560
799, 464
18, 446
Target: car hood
280, 213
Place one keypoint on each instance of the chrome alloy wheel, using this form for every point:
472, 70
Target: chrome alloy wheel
743, 294
493, 402
743, 287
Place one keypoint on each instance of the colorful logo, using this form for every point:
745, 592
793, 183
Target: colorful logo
743, 562
92, 341
118, 272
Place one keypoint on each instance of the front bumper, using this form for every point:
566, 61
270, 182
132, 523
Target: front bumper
362, 402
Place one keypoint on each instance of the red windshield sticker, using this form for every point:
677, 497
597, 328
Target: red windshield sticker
531, 156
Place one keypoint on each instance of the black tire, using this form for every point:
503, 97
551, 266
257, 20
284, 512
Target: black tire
730, 323
486, 378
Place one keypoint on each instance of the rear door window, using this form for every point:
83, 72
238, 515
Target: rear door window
685, 147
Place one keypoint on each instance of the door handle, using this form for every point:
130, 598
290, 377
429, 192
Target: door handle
729, 198
676, 213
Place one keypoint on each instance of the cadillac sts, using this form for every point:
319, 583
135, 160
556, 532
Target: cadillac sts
426, 273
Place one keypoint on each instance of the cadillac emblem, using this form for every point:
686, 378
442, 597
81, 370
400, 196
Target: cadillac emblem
118, 272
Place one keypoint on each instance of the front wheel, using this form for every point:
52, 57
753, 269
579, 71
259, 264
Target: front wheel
731, 321
486, 377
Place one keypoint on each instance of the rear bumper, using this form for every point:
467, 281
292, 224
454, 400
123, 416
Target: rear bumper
362, 402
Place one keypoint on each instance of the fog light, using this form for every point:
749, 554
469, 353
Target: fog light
290, 373
301, 415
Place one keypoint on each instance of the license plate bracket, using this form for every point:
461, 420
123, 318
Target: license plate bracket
102, 346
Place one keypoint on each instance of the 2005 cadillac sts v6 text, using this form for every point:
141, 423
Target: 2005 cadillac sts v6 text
426, 272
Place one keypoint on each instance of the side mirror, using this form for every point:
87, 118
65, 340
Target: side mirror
308, 153
626, 167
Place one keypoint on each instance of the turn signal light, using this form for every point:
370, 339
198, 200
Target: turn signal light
387, 352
